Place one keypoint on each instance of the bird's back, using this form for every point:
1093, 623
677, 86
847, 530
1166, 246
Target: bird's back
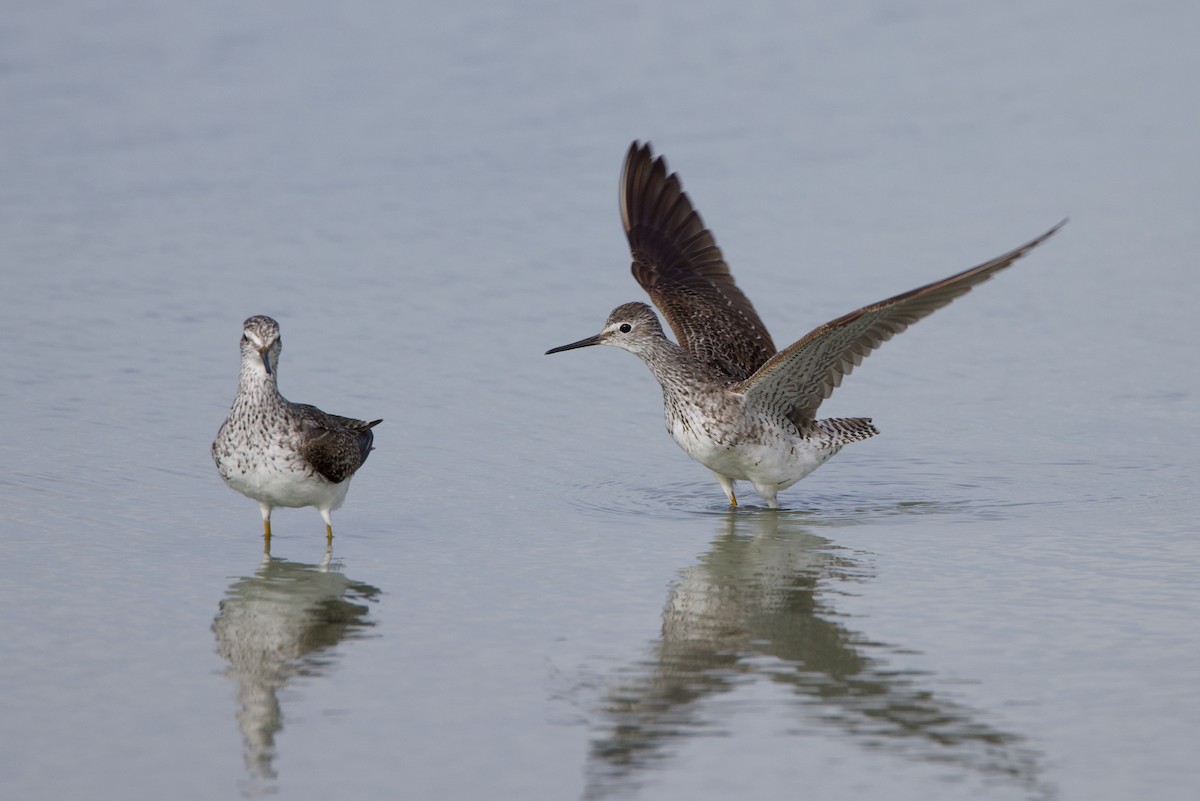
334, 446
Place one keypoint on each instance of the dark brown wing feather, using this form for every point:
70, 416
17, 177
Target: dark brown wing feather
677, 261
335, 446
796, 380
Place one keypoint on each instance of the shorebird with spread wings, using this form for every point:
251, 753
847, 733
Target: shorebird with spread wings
733, 402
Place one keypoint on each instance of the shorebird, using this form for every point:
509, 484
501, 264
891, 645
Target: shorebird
281, 453
733, 403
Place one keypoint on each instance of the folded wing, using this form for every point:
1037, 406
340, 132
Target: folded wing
335, 446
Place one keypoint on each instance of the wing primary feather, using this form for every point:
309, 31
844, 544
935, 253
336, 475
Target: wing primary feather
676, 259
797, 379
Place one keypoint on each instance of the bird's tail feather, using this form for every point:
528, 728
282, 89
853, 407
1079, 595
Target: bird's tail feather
844, 430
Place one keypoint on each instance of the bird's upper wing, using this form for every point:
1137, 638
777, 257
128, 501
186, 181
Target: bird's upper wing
797, 379
677, 261
335, 446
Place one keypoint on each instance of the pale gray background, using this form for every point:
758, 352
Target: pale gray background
536, 595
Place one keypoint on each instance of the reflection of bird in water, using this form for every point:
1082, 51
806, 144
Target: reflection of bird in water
279, 623
752, 609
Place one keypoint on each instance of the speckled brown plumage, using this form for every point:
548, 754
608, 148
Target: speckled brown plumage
678, 263
797, 379
731, 401
281, 453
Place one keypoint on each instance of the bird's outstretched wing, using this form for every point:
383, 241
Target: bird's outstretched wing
677, 261
335, 446
796, 380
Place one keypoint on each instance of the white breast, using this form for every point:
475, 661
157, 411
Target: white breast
763, 454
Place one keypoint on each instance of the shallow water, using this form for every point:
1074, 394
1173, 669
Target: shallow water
532, 592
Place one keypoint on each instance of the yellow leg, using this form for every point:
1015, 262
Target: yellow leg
328, 518
266, 508
727, 485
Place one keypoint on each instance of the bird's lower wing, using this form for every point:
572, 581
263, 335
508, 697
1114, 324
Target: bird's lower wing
797, 379
334, 446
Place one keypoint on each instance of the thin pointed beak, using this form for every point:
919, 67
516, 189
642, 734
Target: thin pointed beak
266, 359
583, 343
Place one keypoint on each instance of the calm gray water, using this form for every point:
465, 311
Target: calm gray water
533, 593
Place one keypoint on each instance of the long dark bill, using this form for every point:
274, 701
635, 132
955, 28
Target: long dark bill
583, 343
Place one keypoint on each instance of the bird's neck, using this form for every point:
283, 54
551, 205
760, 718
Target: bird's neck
255, 382
678, 372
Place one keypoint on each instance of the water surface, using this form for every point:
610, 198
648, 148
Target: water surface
532, 592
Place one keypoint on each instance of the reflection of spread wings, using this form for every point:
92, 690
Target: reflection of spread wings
677, 261
796, 380
334, 446
760, 608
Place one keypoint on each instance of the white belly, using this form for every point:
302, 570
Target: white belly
773, 458
279, 477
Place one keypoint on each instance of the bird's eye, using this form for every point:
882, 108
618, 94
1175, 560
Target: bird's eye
626, 328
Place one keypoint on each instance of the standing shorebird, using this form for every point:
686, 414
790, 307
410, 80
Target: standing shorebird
733, 403
281, 453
